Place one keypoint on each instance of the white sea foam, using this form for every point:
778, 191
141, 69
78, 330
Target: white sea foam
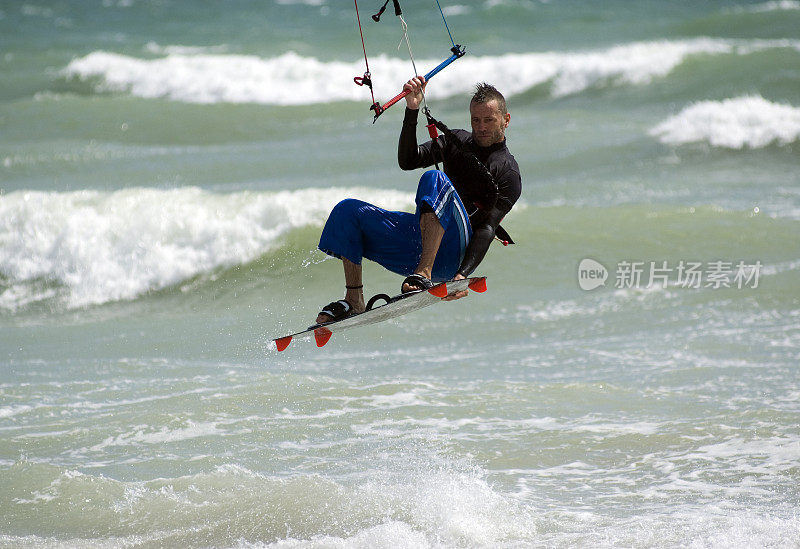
304, 2
30, 10
11, 411
758, 456
750, 121
418, 501
456, 10
106, 246
777, 5
291, 79
157, 49
145, 435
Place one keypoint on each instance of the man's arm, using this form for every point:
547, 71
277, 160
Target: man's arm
410, 155
482, 235
485, 223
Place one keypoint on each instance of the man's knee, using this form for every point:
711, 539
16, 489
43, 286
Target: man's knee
432, 186
432, 179
341, 236
349, 207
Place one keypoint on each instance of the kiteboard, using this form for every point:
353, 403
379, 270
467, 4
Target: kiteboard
395, 306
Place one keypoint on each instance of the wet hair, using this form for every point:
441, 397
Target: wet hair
486, 92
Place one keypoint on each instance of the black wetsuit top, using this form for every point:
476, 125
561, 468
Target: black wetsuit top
497, 158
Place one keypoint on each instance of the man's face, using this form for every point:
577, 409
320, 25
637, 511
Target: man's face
488, 123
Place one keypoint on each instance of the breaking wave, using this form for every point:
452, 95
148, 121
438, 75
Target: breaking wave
749, 121
97, 247
291, 79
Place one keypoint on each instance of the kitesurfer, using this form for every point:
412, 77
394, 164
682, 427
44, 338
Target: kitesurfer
458, 209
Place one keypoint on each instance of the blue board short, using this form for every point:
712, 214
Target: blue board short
357, 229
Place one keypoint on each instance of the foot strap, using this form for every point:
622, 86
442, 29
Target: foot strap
417, 281
337, 310
375, 298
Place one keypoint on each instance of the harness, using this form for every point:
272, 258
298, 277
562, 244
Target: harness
487, 186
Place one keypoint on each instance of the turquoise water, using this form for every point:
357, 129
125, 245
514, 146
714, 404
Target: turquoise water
165, 171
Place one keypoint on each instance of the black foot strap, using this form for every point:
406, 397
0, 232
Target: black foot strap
378, 297
337, 310
417, 281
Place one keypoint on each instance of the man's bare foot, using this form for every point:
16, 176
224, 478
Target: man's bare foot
407, 288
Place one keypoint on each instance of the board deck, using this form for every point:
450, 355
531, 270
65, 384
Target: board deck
397, 306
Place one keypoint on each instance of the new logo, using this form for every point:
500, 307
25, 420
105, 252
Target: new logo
591, 274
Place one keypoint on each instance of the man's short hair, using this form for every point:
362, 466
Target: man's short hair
486, 92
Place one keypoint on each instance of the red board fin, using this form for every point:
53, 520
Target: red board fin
322, 335
283, 342
440, 290
479, 284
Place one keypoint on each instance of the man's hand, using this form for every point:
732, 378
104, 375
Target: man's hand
457, 295
415, 86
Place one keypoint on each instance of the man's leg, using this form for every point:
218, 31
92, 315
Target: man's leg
440, 213
432, 233
398, 240
354, 287
357, 230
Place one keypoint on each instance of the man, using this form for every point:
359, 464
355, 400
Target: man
458, 210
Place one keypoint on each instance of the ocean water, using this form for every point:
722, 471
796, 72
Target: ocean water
630, 379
